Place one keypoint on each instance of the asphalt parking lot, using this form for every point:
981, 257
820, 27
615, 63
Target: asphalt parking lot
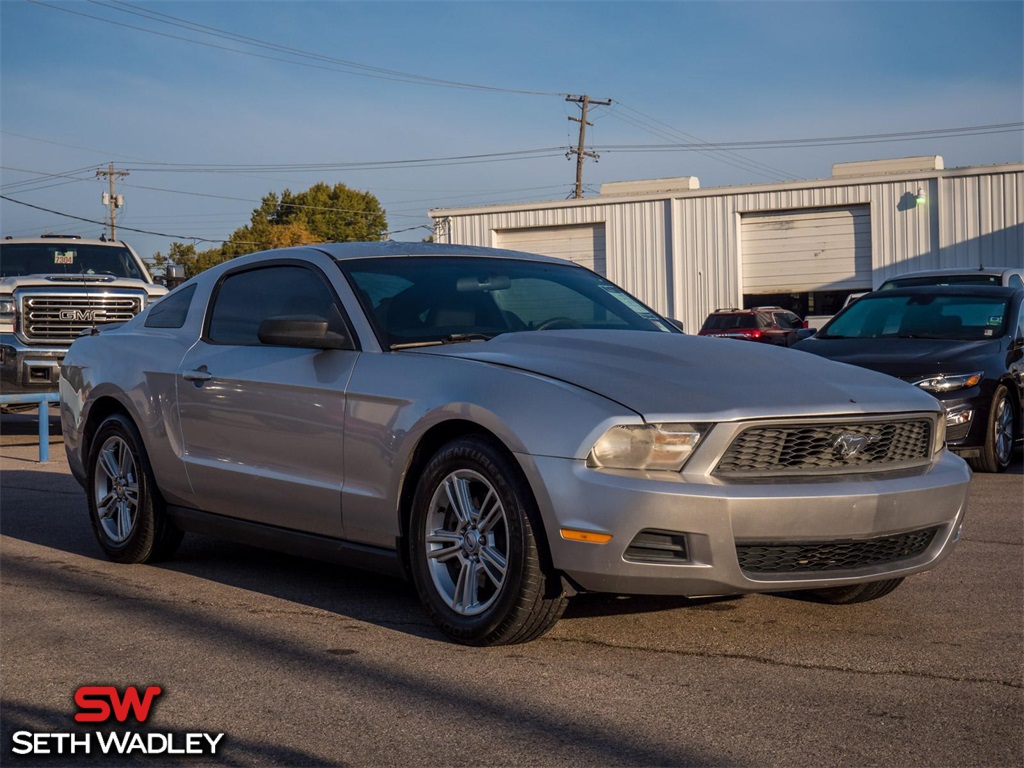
301, 663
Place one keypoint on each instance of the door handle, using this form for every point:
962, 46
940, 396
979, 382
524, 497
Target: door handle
197, 376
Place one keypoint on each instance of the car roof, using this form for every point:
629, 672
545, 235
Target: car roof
390, 248
944, 290
750, 311
956, 271
64, 239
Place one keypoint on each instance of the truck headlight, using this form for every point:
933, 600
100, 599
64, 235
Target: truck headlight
8, 308
647, 446
943, 383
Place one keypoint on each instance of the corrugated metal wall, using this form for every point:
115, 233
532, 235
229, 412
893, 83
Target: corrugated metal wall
682, 253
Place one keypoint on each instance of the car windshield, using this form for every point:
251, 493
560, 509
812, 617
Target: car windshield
415, 301
19, 259
728, 322
921, 316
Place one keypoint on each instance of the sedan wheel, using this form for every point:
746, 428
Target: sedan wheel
472, 549
126, 511
999, 435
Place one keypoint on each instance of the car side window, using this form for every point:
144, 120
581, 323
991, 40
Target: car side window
787, 320
171, 311
1016, 281
245, 299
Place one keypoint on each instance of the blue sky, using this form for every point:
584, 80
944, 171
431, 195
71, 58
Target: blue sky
79, 87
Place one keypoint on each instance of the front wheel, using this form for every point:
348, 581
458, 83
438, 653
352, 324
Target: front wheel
999, 435
126, 510
473, 552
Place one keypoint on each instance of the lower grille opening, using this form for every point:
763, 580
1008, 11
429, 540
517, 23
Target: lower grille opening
657, 547
846, 554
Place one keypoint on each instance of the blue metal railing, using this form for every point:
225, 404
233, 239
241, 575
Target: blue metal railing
43, 400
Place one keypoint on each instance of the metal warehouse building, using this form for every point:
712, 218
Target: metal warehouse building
804, 245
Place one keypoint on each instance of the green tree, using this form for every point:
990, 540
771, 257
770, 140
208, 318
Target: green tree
321, 214
193, 262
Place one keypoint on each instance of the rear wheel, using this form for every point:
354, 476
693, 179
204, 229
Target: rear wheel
126, 511
855, 593
999, 435
473, 549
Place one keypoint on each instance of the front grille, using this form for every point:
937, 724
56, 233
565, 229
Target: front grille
823, 448
843, 555
61, 318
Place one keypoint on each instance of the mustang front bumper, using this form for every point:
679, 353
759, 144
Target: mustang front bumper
674, 535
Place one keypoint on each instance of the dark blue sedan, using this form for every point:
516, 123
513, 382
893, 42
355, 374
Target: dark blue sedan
964, 344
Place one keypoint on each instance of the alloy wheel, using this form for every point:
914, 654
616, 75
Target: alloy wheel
116, 489
467, 542
1003, 426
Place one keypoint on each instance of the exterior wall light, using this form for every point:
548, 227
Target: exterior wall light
922, 196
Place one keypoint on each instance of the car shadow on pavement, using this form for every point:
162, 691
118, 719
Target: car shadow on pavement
360, 665
595, 605
49, 509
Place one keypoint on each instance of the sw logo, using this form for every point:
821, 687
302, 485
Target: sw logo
99, 702
103, 704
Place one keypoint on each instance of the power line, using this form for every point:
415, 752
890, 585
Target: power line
103, 223
328, 63
711, 149
875, 138
489, 157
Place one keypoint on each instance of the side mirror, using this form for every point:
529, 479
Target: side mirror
805, 333
677, 323
306, 331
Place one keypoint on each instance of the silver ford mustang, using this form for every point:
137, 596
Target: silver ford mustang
505, 430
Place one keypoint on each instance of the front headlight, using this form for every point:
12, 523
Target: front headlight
647, 446
7, 310
944, 383
940, 434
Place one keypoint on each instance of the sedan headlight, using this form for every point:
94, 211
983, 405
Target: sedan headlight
647, 446
943, 383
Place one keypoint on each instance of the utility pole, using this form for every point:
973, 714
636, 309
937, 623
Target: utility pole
584, 101
110, 199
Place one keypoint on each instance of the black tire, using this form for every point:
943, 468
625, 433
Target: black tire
1000, 435
473, 550
127, 513
855, 593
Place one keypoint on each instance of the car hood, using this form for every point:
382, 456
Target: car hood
671, 376
909, 359
79, 282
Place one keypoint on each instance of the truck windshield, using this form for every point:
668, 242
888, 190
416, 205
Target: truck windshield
19, 259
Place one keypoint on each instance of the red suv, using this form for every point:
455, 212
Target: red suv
771, 325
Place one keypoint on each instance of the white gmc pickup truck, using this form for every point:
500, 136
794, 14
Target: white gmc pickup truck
54, 288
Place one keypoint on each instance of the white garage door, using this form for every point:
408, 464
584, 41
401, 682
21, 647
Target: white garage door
583, 244
821, 249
